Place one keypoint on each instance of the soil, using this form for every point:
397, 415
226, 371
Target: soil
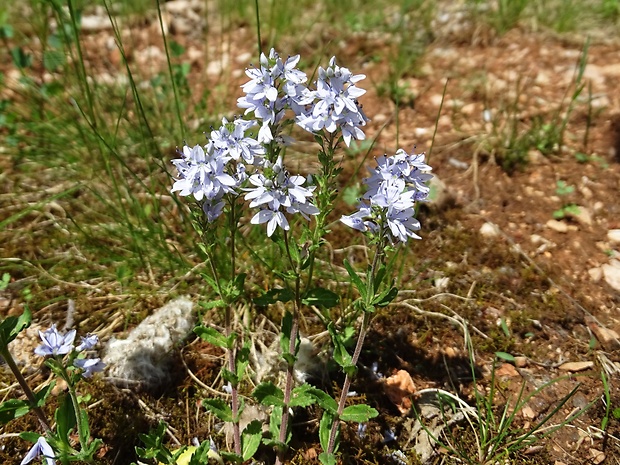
529, 288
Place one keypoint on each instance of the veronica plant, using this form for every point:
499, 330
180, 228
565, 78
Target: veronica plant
69, 363
238, 165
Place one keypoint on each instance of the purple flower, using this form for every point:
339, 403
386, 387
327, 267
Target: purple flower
41, 447
335, 104
273, 88
202, 173
89, 365
55, 343
275, 190
88, 342
389, 203
230, 140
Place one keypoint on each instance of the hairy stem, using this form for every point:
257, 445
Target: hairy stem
347, 382
292, 349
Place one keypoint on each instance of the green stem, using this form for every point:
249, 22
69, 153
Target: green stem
24, 385
76, 409
288, 388
347, 382
379, 253
325, 190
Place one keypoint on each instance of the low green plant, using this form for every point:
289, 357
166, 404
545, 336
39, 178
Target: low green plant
492, 433
568, 209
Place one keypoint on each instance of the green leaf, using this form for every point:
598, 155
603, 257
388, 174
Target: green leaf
29, 436
176, 48
219, 303
250, 439
274, 295
341, 356
230, 377
212, 336
325, 427
65, 418
505, 356
385, 298
379, 276
21, 59
219, 408
53, 59
231, 457
83, 426
355, 279
358, 413
13, 408
351, 194
320, 297
268, 394
327, 459
301, 396
285, 335
275, 421
242, 360
325, 401
10, 327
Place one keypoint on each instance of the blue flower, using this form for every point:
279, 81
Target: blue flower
55, 343
88, 342
335, 104
275, 190
393, 188
89, 366
41, 447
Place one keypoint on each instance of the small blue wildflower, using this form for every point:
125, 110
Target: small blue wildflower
89, 366
55, 343
41, 447
88, 342
361, 430
388, 436
335, 104
393, 188
275, 190
231, 141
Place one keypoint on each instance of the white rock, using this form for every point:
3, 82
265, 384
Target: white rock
92, 23
489, 230
143, 357
611, 272
596, 274
582, 216
613, 235
556, 225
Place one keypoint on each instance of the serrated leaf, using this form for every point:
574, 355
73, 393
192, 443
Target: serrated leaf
212, 336
242, 360
231, 457
360, 413
250, 439
13, 408
219, 408
301, 396
320, 297
355, 279
325, 401
268, 394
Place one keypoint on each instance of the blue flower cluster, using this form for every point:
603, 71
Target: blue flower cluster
220, 168
54, 343
393, 188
